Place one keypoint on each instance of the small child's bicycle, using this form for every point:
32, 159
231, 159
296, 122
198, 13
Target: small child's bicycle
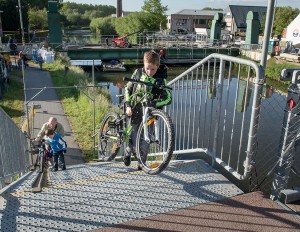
156, 129
43, 153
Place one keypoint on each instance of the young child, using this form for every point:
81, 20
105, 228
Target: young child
59, 147
152, 72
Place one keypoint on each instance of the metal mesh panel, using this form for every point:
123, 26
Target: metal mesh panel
271, 119
14, 157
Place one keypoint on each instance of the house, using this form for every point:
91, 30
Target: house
235, 17
185, 21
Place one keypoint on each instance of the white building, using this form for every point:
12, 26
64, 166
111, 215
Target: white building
293, 32
185, 21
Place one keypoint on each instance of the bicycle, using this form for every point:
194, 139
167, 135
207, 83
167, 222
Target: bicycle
42, 150
156, 129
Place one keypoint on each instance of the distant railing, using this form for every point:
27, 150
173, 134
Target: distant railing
14, 153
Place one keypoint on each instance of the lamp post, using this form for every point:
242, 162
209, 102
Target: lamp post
1, 30
195, 21
21, 23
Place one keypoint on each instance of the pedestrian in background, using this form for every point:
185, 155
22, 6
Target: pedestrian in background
40, 61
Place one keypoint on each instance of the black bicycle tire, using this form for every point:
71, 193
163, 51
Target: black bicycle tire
171, 141
102, 150
41, 160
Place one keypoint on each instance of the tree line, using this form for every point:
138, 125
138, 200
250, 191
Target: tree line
98, 18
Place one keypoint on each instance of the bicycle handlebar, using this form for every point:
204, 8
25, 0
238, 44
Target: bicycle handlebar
147, 83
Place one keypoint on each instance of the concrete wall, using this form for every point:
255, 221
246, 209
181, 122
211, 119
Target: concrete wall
254, 55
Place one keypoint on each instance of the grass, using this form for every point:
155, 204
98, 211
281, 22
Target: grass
274, 67
13, 100
77, 106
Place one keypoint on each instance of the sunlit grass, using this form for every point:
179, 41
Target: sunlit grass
13, 101
77, 106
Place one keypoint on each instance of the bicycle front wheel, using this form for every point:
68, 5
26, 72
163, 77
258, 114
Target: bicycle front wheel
109, 141
41, 161
155, 147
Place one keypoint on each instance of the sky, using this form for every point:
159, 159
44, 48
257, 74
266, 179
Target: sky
177, 5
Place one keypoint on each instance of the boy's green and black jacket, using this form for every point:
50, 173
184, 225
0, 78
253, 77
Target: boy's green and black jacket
161, 97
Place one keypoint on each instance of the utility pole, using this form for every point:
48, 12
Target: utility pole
21, 23
267, 33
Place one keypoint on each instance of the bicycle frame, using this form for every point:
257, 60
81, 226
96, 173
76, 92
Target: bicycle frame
42, 152
146, 107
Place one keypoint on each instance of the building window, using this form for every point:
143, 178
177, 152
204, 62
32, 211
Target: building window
202, 21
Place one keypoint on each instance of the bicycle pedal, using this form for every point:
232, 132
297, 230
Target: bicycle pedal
154, 141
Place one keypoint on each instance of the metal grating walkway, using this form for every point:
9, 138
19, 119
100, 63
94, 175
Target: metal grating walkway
90, 196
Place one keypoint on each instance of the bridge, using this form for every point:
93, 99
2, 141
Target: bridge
222, 113
177, 54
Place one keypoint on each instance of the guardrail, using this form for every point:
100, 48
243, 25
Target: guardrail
211, 114
14, 152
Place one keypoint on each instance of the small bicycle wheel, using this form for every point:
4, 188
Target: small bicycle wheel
109, 141
154, 155
41, 161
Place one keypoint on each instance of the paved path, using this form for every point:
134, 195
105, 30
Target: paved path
50, 107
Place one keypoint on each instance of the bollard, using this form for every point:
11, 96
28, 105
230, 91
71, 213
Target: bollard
290, 130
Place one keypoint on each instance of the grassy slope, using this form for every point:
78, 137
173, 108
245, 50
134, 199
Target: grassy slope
13, 100
77, 106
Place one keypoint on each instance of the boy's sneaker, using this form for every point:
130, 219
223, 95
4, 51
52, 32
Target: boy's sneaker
127, 160
126, 157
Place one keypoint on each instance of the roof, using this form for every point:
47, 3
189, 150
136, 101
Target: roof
197, 12
239, 13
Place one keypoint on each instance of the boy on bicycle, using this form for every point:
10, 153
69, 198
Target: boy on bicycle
154, 73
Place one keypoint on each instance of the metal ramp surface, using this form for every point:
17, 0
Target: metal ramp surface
92, 196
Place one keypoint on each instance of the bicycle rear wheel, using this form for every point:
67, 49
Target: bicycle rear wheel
109, 141
155, 155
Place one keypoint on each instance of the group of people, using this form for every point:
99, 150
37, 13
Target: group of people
54, 132
22, 60
153, 72
37, 58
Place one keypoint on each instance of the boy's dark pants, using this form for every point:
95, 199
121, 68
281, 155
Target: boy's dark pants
144, 147
59, 155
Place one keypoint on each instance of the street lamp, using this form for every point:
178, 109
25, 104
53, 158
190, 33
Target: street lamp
1, 30
195, 21
21, 23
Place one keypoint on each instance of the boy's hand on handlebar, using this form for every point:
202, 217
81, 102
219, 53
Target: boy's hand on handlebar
128, 111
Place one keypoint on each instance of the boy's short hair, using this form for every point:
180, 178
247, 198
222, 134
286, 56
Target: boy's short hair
49, 132
151, 57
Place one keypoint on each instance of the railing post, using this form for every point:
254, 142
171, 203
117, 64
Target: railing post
218, 113
290, 130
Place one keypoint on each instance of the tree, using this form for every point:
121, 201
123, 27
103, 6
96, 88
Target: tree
83, 13
103, 26
158, 12
37, 4
283, 17
38, 18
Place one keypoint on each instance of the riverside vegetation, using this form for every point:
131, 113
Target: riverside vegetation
79, 108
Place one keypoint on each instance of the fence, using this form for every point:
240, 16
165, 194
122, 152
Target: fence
14, 155
222, 108
211, 115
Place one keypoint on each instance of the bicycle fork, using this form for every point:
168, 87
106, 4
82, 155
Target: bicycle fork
147, 123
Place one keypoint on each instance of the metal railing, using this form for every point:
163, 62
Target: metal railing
14, 155
211, 114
